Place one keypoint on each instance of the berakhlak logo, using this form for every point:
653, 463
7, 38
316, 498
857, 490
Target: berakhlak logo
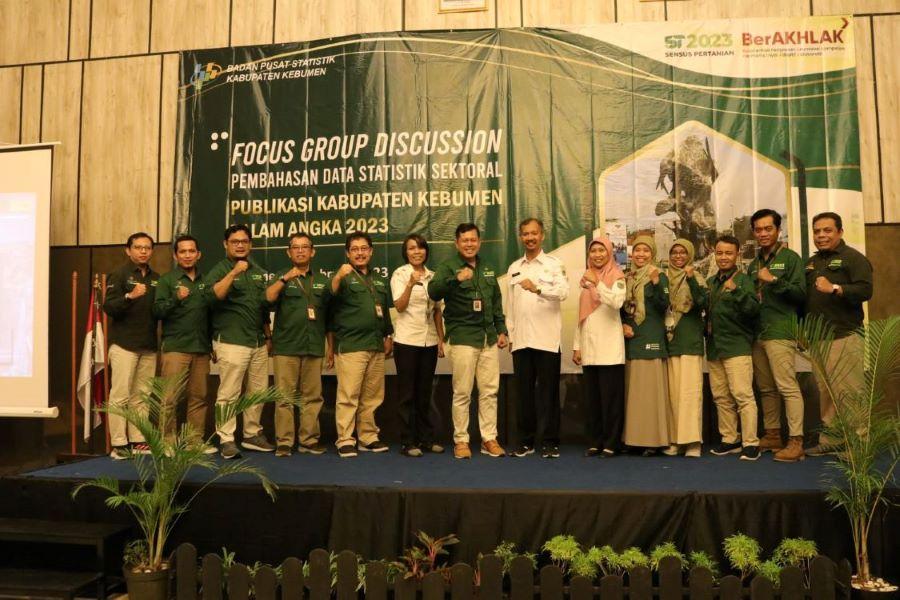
204, 73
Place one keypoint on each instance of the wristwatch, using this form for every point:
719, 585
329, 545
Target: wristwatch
283, 280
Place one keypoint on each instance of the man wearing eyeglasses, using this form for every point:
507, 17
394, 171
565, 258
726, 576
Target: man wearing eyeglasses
132, 341
300, 298
236, 289
360, 333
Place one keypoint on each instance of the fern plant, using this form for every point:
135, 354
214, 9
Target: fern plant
562, 549
155, 498
742, 551
796, 552
663, 550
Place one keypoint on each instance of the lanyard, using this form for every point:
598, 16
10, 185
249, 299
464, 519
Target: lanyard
366, 282
764, 264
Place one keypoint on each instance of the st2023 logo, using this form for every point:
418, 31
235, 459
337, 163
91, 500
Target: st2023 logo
703, 40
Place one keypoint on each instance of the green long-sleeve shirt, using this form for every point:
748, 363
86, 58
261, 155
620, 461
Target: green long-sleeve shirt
851, 270
463, 324
294, 334
782, 299
239, 318
132, 324
731, 316
688, 335
353, 316
185, 323
649, 339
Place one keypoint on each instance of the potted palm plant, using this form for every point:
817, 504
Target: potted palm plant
155, 498
866, 426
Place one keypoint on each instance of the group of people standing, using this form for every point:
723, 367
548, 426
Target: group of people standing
640, 338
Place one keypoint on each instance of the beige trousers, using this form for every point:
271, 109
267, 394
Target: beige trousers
846, 363
236, 363
360, 390
131, 372
303, 373
731, 381
175, 364
470, 366
685, 375
776, 378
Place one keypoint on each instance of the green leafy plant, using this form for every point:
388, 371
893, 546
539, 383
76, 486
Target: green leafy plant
699, 558
796, 552
865, 427
663, 550
155, 499
615, 563
562, 549
742, 551
769, 569
508, 551
422, 559
586, 564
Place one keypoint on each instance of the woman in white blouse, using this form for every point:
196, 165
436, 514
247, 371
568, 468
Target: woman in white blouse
600, 348
418, 341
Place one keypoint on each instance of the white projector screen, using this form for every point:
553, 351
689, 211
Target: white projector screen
25, 178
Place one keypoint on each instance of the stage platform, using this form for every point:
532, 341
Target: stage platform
374, 503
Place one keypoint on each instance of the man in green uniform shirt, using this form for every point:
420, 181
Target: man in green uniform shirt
181, 305
300, 297
777, 272
240, 321
360, 325
731, 315
475, 329
132, 340
838, 281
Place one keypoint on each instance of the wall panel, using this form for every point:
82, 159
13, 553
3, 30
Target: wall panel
716, 9
509, 13
33, 31
539, 13
868, 132
167, 129
300, 20
120, 27
185, 24
423, 14
31, 104
849, 7
62, 123
635, 10
10, 104
887, 77
119, 149
252, 22
80, 29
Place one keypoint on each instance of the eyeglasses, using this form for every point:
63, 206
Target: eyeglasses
303, 247
142, 248
239, 242
360, 249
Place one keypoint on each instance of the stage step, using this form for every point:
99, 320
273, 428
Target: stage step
42, 583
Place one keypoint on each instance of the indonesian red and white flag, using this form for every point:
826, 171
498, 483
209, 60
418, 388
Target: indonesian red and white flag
90, 375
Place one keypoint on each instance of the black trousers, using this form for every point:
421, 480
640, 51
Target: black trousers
415, 376
604, 397
537, 379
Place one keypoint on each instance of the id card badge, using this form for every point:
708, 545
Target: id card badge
476, 305
311, 313
379, 312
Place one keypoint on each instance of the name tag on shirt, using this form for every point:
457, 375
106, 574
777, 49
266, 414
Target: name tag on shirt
379, 312
476, 305
310, 313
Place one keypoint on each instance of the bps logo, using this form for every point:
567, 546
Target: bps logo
703, 40
204, 73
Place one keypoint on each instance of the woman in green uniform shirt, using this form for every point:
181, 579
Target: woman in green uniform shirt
646, 385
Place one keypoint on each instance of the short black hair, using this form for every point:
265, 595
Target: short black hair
420, 242
184, 238
762, 214
140, 234
465, 228
531, 220
830, 215
729, 239
235, 228
358, 235
301, 235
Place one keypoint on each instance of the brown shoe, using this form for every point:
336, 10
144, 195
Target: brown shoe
492, 449
461, 450
793, 452
771, 442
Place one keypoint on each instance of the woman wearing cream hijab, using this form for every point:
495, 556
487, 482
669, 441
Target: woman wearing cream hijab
646, 384
684, 331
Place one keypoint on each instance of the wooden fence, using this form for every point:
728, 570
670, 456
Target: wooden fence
209, 581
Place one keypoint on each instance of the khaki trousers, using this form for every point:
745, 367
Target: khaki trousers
474, 365
235, 363
731, 381
131, 374
303, 373
776, 378
360, 390
846, 363
196, 368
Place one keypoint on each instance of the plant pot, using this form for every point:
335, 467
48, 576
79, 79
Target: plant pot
147, 586
887, 592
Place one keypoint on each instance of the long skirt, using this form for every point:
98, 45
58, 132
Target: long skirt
685, 399
646, 403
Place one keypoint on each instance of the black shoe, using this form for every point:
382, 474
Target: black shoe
376, 446
347, 451
120, 453
550, 451
316, 448
229, 450
523, 450
721, 449
593, 451
413, 451
650, 452
750, 453
283, 450
258, 442
608, 452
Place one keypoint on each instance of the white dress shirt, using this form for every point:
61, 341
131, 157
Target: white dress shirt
535, 320
415, 325
600, 337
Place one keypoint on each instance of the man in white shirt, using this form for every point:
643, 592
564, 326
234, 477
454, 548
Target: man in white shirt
537, 289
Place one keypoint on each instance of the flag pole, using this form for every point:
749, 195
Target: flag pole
74, 415
105, 361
